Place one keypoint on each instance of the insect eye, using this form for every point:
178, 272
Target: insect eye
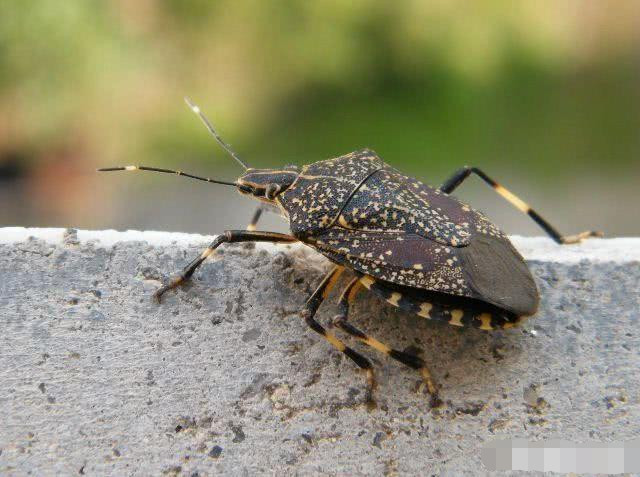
271, 191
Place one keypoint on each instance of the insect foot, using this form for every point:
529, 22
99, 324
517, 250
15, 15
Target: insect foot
172, 283
360, 361
410, 360
187, 272
577, 238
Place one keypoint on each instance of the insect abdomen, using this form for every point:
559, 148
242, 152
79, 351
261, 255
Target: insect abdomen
457, 311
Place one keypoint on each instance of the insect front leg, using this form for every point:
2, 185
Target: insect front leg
229, 236
459, 176
346, 300
308, 313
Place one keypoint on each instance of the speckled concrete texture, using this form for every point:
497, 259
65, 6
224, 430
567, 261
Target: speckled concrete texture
224, 378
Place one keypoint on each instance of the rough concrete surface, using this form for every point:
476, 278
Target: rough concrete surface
223, 377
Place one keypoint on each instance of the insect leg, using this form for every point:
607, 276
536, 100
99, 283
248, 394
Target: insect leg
459, 176
229, 236
256, 216
346, 300
308, 313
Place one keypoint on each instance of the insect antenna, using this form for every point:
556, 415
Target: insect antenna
196, 109
165, 171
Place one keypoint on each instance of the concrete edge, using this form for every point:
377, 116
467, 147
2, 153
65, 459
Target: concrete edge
543, 249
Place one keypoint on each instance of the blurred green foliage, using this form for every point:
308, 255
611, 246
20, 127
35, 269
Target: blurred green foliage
547, 89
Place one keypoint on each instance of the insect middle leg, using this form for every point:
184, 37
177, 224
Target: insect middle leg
308, 313
459, 176
229, 236
346, 300
256, 216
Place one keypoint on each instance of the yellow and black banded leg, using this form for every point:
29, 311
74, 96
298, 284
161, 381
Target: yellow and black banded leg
456, 179
308, 313
254, 220
229, 236
346, 300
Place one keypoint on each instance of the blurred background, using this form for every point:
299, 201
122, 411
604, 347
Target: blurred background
543, 95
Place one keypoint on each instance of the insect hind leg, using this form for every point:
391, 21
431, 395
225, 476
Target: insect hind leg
308, 313
459, 176
340, 321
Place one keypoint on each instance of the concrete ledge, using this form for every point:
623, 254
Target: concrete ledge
224, 378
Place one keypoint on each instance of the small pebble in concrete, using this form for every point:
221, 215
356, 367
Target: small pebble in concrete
215, 452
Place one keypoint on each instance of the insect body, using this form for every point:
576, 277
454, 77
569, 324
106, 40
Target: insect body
416, 247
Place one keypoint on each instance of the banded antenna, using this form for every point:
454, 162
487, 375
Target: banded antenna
165, 171
196, 109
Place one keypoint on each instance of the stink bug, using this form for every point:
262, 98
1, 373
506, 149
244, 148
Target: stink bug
414, 246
